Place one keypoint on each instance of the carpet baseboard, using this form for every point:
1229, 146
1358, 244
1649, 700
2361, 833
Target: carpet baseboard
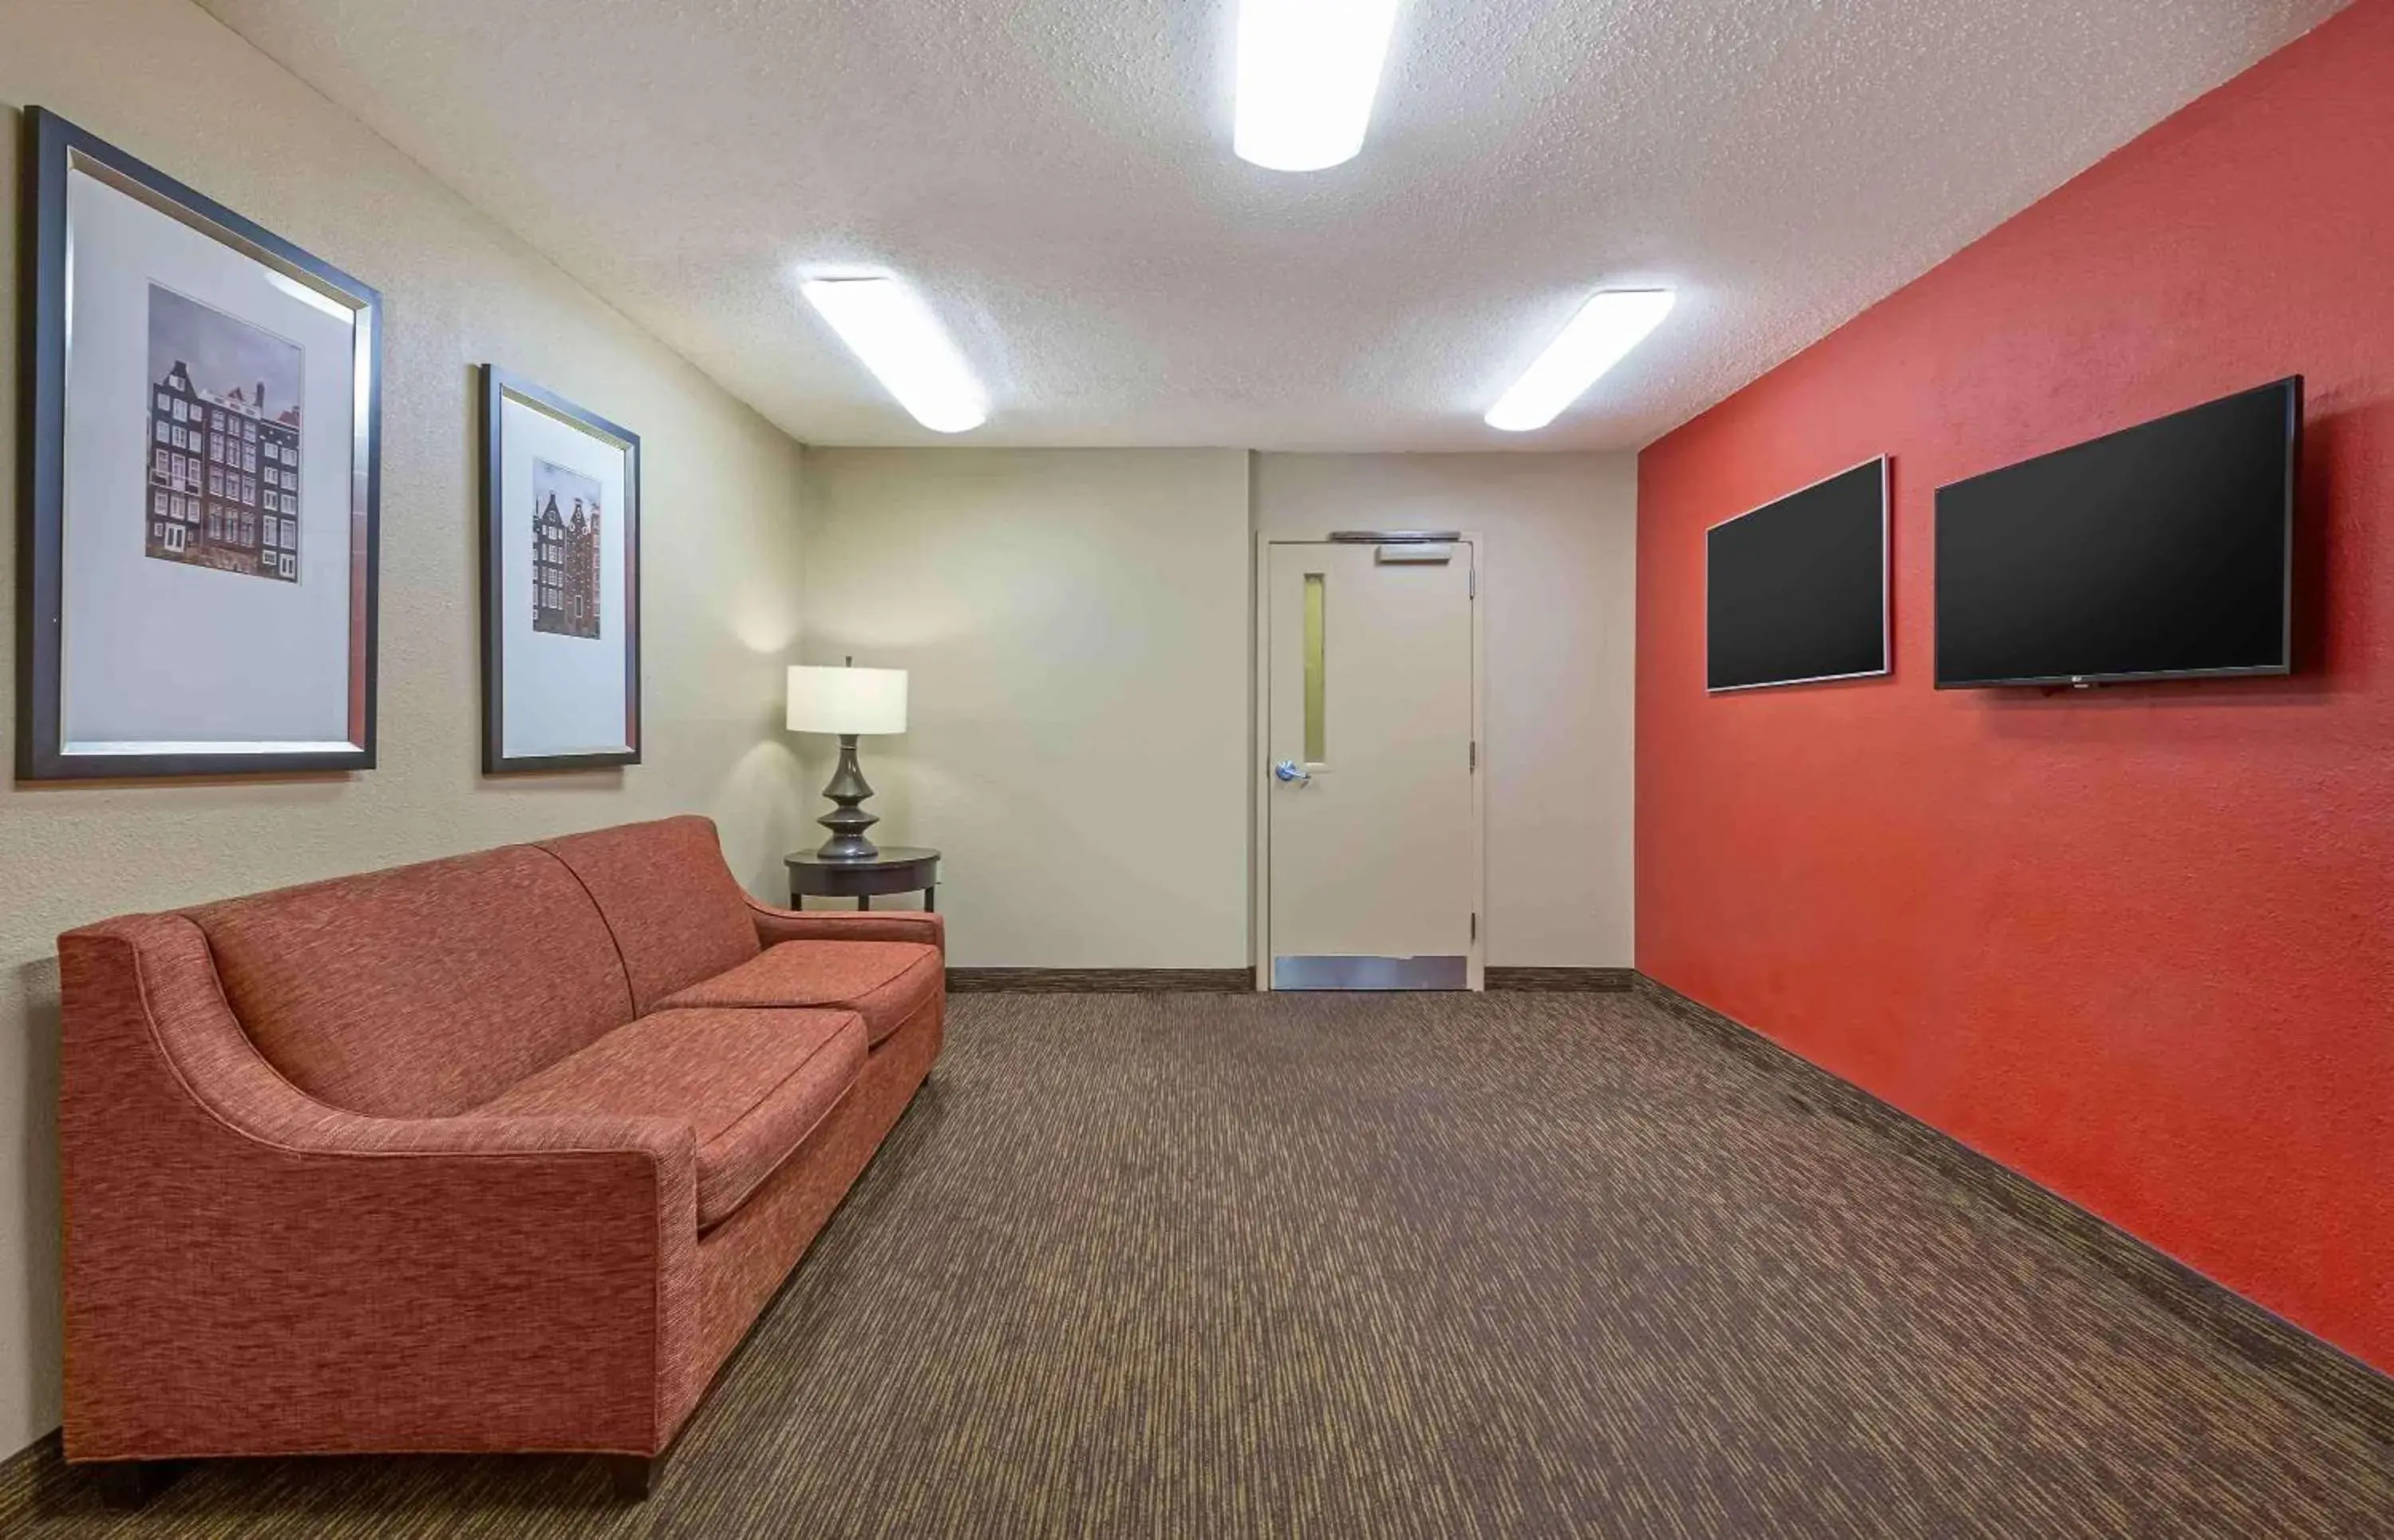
1562, 980
1239, 981
1100, 981
2324, 1372
35, 1480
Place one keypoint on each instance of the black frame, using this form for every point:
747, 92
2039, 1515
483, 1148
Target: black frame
52, 148
1886, 668
2292, 385
497, 386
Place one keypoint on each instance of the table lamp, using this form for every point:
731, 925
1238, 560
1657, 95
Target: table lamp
850, 701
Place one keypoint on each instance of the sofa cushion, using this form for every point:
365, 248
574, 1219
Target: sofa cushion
750, 1084
883, 982
420, 990
675, 911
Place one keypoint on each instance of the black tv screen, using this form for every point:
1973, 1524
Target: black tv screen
1796, 591
2161, 551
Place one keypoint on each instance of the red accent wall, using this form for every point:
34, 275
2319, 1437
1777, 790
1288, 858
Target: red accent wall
2136, 943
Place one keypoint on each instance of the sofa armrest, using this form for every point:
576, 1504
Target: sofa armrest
249, 1270
774, 926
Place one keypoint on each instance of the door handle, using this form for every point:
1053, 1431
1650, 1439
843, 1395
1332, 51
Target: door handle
1292, 773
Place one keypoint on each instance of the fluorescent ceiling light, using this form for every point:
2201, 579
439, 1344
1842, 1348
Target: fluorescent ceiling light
894, 334
1307, 70
1605, 328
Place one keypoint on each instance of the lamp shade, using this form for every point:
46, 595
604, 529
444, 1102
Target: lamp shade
847, 699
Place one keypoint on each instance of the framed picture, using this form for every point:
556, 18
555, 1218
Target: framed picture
202, 467
561, 582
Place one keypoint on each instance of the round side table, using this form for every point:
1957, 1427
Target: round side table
896, 869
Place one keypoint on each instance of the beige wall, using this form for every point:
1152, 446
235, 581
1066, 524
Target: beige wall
163, 81
1559, 586
1076, 626
1079, 627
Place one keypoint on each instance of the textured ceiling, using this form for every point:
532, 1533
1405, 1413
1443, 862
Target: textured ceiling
1057, 176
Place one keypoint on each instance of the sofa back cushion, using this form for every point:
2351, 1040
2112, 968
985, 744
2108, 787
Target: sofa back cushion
677, 914
422, 991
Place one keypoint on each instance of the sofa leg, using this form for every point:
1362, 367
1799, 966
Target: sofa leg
635, 1476
127, 1484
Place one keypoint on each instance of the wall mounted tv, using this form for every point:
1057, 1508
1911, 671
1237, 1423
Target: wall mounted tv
1796, 591
2162, 551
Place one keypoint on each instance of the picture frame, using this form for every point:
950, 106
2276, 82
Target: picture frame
561, 582
201, 481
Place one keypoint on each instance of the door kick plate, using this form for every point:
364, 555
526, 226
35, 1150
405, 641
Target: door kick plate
1357, 972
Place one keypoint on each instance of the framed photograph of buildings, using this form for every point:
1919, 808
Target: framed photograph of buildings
561, 582
202, 459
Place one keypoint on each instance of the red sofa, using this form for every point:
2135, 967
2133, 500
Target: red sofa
499, 1153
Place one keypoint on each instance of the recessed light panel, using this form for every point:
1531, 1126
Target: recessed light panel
1307, 71
893, 334
1609, 324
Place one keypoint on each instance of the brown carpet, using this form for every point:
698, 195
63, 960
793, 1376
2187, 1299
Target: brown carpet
1517, 1264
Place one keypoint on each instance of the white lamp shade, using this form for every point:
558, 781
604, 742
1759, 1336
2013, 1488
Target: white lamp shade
847, 699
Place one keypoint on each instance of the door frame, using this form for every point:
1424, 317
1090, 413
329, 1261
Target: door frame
1260, 756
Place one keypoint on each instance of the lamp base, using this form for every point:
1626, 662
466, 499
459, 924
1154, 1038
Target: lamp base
848, 821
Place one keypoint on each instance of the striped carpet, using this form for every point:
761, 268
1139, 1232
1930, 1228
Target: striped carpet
1348, 1266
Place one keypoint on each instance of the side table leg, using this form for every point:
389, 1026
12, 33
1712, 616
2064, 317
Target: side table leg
930, 900
797, 900
863, 901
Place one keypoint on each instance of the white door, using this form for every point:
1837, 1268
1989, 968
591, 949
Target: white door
1371, 809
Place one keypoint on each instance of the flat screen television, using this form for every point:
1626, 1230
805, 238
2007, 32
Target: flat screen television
2162, 551
1796, 591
